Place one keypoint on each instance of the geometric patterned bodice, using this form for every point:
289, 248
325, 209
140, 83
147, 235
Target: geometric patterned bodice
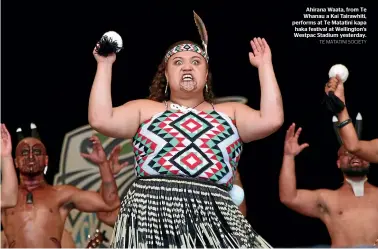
198, 144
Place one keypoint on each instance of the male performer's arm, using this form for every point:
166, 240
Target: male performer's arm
108, 189
9, 185
9, 181
109, 218
91, 201
366, 150
305, 202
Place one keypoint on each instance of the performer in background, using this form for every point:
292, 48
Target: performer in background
350, 213
187, 149
39, 216
9, 181
367, 150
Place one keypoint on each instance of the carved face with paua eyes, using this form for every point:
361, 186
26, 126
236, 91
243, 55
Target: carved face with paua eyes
31, 157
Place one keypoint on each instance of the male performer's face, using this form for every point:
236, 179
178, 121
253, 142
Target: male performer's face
186, 71
31, 156
352, 165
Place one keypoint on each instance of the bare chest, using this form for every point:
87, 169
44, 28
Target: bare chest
345, 204
35, 211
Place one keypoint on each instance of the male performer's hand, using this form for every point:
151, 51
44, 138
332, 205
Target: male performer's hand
110, 59
335, 85
114, 160
6, 142
97, 156
292, 148
261, 52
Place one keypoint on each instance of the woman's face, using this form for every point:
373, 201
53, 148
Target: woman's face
186, 71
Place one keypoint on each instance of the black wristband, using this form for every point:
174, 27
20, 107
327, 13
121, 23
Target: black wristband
344, 123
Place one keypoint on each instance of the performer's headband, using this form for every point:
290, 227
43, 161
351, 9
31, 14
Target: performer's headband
357, 126
186, 47
190, 46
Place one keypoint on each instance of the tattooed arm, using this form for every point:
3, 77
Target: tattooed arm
108, 189
91, 201
109, 218
85, 201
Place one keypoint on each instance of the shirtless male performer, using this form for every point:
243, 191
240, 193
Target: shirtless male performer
350, 213
38, 218
367, 150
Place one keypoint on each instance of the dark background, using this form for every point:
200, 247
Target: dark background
48, 69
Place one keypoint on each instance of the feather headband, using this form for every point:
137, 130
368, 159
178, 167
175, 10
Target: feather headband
357, 126
193, 47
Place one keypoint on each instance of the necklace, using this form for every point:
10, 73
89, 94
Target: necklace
182, 108
29, 198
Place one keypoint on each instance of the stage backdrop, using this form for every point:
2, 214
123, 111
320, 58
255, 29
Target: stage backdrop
78, 171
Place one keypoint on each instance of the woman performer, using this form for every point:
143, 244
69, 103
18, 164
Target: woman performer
186, 149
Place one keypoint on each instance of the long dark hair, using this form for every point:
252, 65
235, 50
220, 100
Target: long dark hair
159, 82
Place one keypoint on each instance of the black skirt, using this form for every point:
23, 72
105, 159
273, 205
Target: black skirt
180, 212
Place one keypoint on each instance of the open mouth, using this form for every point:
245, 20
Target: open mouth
187, 77
355, 162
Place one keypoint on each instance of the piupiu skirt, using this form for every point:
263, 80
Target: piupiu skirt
181, 212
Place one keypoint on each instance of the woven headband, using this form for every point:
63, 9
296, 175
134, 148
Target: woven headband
186, 47
192, 47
